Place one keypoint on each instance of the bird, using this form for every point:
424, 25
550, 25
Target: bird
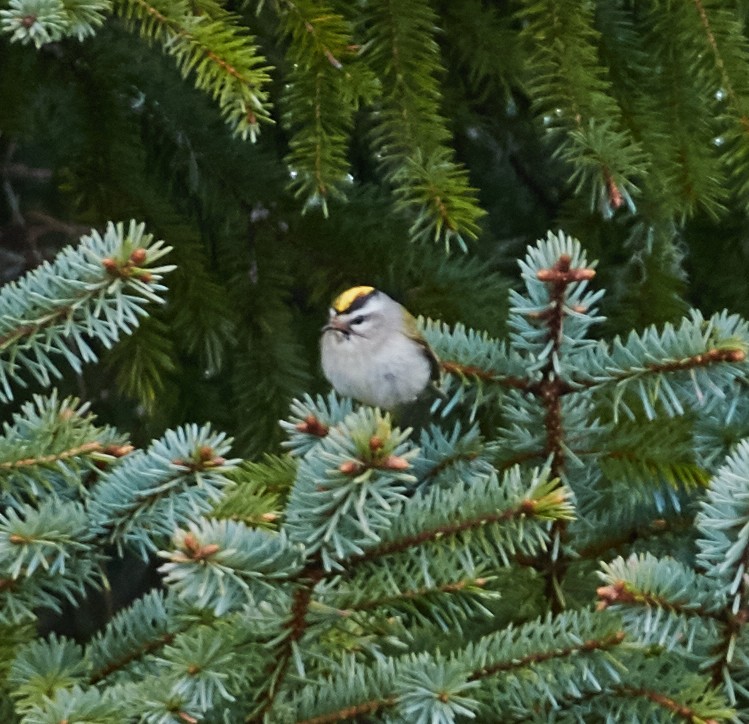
372, 351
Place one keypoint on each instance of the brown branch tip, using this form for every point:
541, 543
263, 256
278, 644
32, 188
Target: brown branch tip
563, 273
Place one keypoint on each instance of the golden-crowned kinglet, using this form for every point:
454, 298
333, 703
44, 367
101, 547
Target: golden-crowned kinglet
372, 351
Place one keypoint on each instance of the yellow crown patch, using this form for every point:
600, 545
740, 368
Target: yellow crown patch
344, 300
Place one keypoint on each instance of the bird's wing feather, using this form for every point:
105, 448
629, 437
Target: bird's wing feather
412, 331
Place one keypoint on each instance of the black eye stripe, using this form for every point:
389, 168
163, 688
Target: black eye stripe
358, 319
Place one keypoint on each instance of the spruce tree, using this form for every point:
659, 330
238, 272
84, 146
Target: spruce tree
565, 539
372, 572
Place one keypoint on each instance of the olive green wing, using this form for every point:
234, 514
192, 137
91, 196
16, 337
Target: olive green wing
412, 331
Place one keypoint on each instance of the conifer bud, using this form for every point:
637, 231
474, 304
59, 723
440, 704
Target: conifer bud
118, 451
190, 543
312, 426
350, 467
395, 462
138, 256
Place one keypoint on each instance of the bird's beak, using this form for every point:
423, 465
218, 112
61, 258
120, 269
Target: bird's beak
336, 325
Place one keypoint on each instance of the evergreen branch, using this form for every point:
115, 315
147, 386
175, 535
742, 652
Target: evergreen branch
505, 516
85, 448
671, 705
348, 493
557, 309
270, 353
410, 130
257, 491
444, 456
663, 602
661, 690
423, 587
145, 627
85, 16
605, 643
642, 460
571, 91
524, 666
559, 278
443, 286
719, 62
691, 171
602, 688
295, 628
353, 712
634, 466
310, 420
427, 688
709, 357
42, 666
152, 493
46, 21
464, 371
327, 32
142, 361
401, 46
317, 160
530, 440
223, 56
723, 553
555, 314
96, 290
596, 540
565, 73
672, 366
30, 544
468, 356
436, 192
730, 52
455, 587
221, 565
447, 530
205, 322
45, 554
34, 22
325, 86
76, 703
621, 593
134, 654
197, 668
53, 445
598, 154
476, 31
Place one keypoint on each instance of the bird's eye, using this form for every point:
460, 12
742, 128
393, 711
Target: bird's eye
358, 320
